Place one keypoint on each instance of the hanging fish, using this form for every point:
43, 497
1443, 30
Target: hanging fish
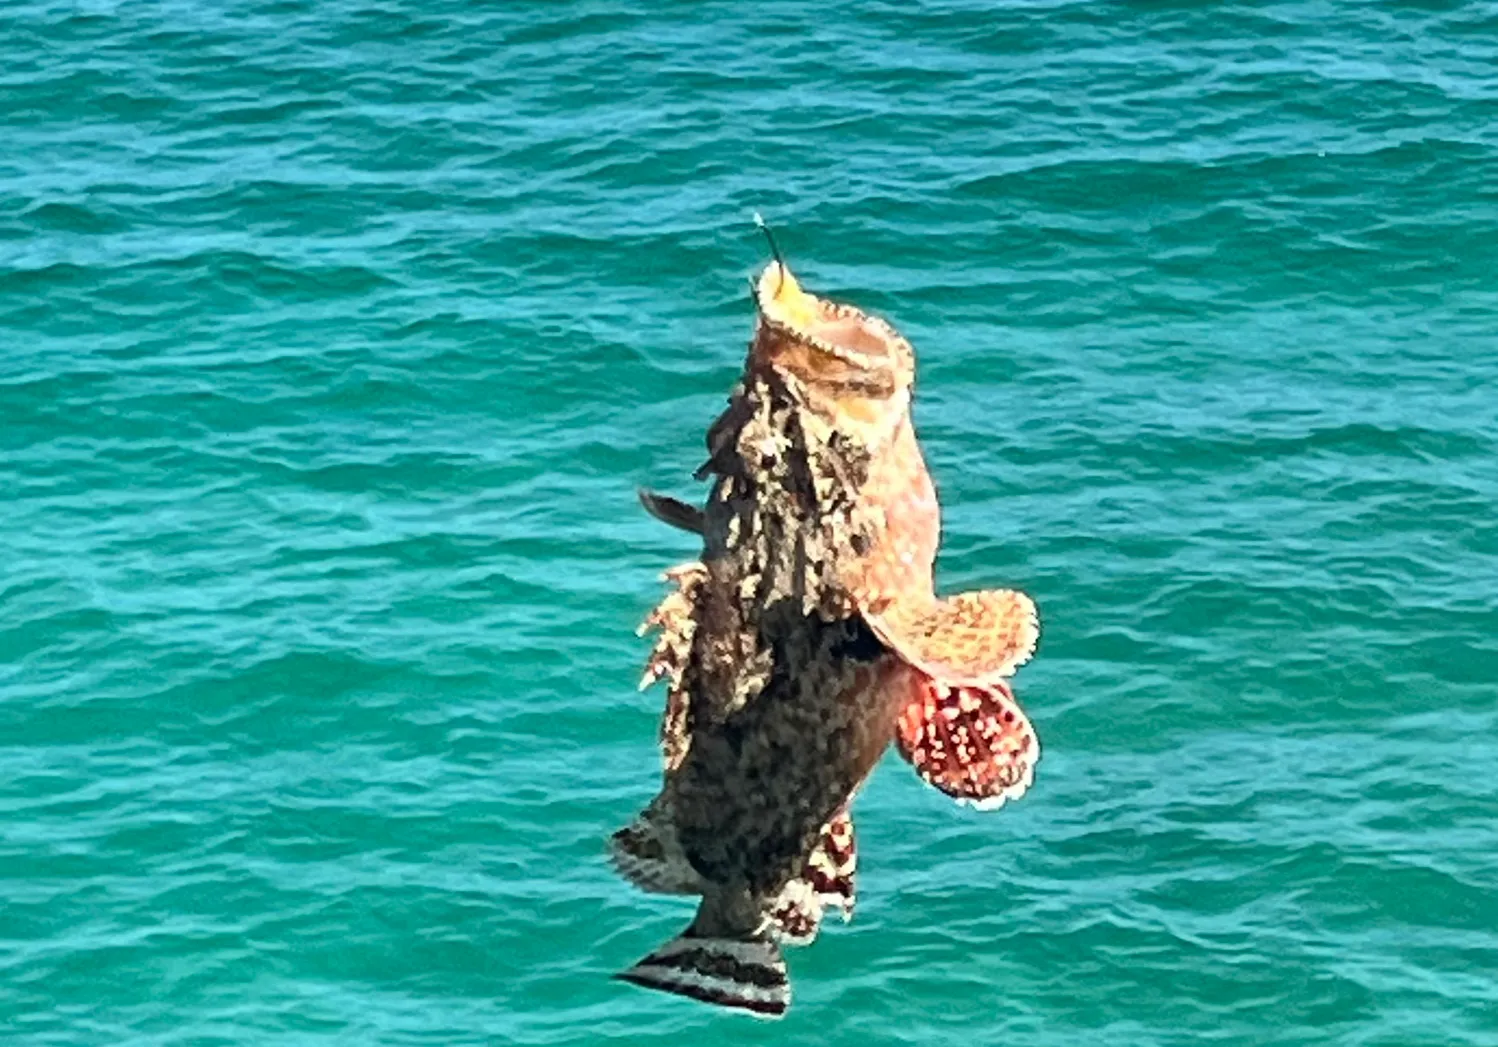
806, 639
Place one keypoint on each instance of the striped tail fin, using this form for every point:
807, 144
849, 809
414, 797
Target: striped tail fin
747, 974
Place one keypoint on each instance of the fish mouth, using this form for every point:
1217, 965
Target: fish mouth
828, 341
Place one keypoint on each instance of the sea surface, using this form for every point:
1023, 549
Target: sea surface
335, 338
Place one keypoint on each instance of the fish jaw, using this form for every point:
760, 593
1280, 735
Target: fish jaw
852, 369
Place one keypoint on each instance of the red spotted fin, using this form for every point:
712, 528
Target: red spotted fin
971, 741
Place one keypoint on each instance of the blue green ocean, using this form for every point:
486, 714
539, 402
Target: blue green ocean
335, 337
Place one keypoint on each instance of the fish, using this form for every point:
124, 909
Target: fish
806, 639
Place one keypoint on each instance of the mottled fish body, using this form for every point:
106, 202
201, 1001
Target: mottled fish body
803, 642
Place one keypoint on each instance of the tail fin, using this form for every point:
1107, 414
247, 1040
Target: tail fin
745, 973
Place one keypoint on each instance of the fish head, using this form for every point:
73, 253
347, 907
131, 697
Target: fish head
853, 369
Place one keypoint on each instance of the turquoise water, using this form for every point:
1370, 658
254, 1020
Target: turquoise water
334, 338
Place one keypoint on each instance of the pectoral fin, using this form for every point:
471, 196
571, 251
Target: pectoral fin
970, 638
